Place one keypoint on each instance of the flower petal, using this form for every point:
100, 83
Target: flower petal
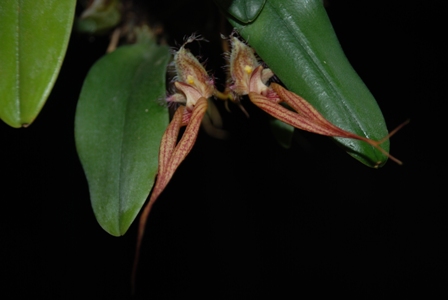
309, 119
190, 92
289, 117
190, 71
170, 158
242, 64
305, 109
188, 138
169, 139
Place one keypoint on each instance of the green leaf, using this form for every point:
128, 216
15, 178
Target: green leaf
282, 132
34, 37
118, 127
296, 40
99, 17
244, 11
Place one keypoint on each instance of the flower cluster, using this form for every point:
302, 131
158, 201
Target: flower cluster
194, 86
248, 77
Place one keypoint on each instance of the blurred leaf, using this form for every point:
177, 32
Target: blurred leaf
99, 16
296, 40
34, 37
282, 132
118, 127
244, 11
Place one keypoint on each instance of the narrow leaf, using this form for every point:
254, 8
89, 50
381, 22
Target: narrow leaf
34, 37
296, 40
118, 128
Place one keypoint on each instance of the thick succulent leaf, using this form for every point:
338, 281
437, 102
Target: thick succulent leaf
118, 127
296, 40
244, 11
34, 37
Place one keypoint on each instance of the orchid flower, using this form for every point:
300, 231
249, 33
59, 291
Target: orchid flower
250, 78
194, 86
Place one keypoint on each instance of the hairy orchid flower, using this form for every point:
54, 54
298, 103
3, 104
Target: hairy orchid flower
192, 81
247, 73
194, 86
250, 78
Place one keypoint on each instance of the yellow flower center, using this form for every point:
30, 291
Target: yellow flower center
190, 79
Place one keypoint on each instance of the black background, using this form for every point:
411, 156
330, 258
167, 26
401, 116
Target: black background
244, 218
